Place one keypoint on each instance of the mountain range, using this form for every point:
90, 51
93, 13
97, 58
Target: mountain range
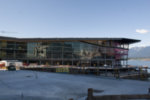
139, 52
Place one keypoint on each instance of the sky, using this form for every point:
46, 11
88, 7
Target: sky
76, 18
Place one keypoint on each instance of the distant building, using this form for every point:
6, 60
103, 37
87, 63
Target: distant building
67, 51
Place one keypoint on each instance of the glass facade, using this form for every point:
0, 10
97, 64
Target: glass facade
85, 53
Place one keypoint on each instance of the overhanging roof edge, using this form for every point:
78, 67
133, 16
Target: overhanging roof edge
123, 40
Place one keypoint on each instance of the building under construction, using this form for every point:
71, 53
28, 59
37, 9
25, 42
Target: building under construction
112, 52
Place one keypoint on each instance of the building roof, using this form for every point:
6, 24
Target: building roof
121, 40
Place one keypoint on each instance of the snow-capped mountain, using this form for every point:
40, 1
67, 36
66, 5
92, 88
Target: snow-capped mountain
139, 52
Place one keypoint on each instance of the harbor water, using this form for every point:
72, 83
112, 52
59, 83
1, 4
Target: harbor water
140, 63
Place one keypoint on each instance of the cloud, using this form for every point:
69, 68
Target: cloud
142, 31
7, 32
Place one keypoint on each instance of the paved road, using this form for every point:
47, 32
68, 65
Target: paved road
30, 85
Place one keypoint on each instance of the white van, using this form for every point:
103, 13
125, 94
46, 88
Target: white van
5, 63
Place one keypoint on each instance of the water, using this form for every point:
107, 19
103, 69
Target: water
139, 63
